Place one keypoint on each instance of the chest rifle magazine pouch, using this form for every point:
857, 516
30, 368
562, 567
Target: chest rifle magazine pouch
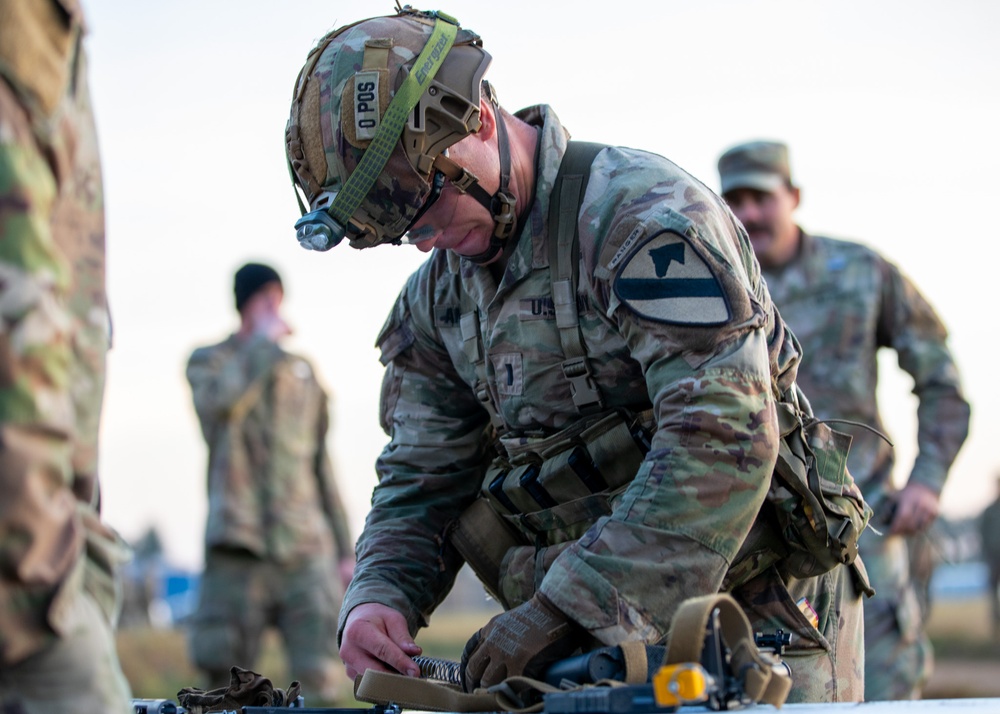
546, 494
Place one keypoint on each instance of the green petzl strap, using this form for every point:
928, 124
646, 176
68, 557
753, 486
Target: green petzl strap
377, 154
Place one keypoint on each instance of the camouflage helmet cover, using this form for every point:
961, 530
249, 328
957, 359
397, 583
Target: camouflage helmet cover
344, 89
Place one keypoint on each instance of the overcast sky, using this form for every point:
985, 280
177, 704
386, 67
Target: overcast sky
890, 108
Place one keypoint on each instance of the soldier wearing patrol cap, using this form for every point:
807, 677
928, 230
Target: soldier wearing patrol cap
582, 386
844, 301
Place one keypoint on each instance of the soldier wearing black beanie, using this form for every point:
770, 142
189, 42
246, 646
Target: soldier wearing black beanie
251, 278
276, 525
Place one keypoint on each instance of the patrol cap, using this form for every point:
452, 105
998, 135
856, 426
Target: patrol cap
760, 165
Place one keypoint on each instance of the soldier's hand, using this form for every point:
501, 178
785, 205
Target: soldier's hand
522, 641
272, 326
377, 637
915, 511
263, 313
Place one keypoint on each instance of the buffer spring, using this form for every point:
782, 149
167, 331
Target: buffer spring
442, 670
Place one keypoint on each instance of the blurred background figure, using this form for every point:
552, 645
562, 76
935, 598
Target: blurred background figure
59, 587
989, 531
278, 550
844, 302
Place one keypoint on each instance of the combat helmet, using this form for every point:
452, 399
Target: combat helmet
374, 110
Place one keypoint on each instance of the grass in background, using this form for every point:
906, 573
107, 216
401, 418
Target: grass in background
966, 658
155, 662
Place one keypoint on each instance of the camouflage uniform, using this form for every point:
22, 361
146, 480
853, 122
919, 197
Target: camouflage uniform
58, 585
709, 366
843, 302
276, 524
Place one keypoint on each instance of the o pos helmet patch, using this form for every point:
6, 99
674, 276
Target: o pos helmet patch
666, 280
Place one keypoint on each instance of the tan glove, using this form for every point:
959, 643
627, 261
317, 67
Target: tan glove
522, 641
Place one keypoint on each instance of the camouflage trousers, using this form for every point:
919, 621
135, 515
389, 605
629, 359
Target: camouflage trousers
77, 674
898, 654
241, 595
826, 655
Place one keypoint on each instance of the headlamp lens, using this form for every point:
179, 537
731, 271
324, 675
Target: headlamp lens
317, 230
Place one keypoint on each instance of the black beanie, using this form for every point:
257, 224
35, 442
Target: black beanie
251, 278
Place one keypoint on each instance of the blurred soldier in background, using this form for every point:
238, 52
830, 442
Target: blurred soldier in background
582, 403
58, 581
278, 550
844, 301
989, 531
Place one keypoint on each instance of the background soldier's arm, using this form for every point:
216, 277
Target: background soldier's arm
909, 325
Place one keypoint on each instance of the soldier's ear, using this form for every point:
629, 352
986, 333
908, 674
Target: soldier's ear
488, 118
796, 193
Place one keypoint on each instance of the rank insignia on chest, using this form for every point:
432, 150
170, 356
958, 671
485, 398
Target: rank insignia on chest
665, 279
447, 315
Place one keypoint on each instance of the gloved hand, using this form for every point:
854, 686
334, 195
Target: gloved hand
522, 641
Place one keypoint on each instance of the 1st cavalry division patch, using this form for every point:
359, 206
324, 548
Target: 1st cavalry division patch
666, 280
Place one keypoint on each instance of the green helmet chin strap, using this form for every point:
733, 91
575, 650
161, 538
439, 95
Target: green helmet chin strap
327, 225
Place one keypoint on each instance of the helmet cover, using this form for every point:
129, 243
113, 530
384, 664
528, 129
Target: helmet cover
341, 96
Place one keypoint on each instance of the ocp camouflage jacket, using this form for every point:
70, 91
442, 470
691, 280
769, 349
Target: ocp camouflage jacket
674, 317
844, 302
264, 416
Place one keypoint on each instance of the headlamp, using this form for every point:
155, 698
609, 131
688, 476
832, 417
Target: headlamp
318, 230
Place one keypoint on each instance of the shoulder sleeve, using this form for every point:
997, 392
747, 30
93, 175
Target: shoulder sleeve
671, 257
909, 325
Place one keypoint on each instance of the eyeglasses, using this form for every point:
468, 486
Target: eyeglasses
436, 187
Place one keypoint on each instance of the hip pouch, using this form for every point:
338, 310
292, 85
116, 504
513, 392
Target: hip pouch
819, 509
